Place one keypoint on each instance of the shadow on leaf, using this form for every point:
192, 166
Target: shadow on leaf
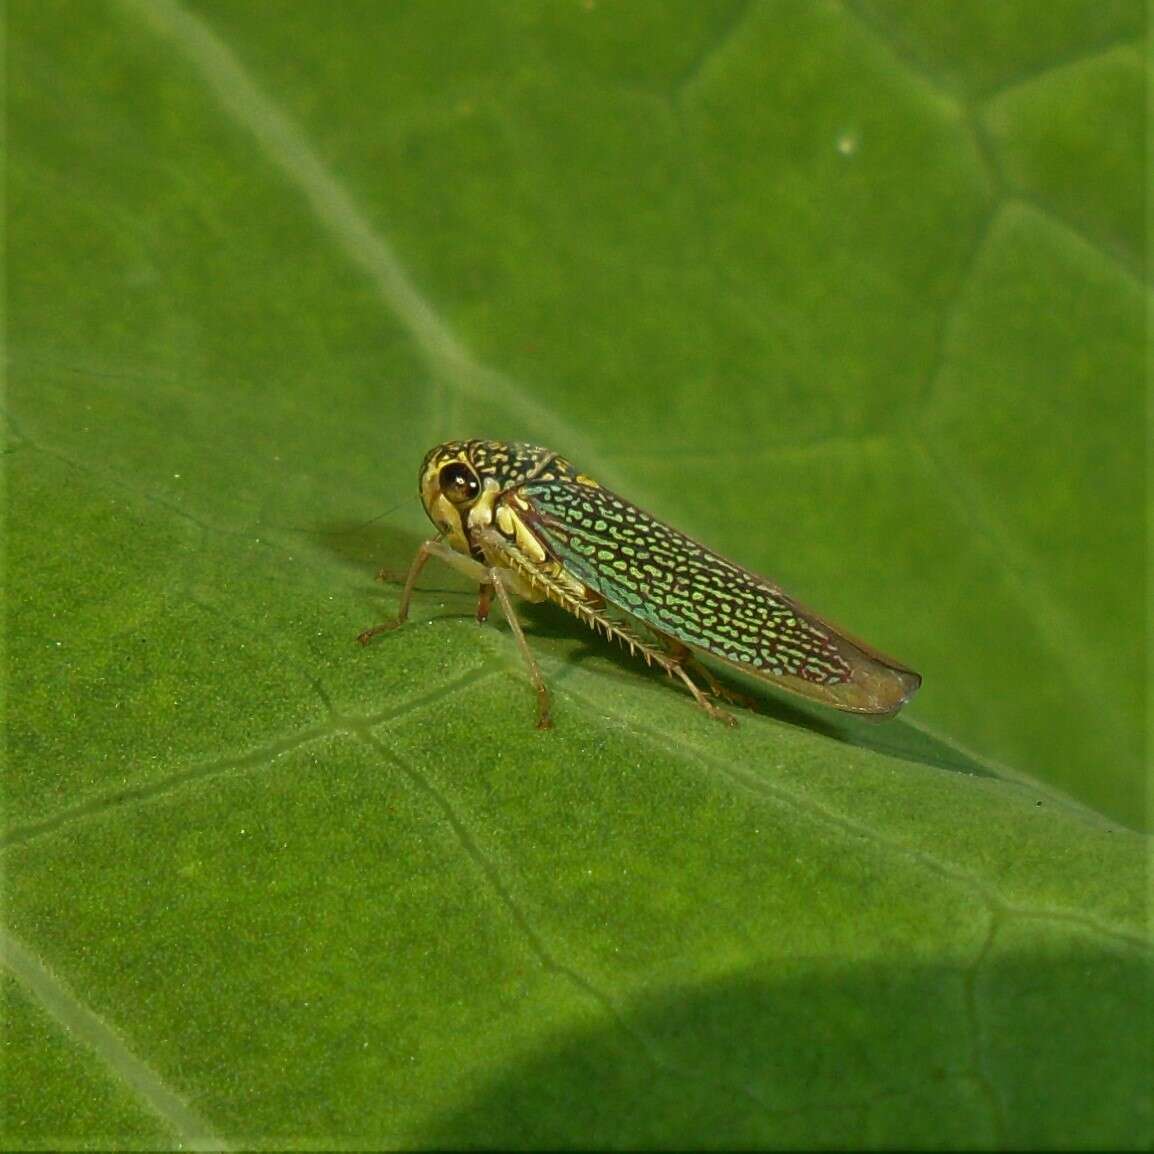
1053, 1055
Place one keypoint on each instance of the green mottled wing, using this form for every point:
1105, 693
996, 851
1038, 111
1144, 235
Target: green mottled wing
680, 588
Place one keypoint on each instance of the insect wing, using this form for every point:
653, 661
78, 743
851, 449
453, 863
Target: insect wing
679, 587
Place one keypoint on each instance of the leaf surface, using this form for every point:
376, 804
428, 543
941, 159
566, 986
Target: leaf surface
849, 291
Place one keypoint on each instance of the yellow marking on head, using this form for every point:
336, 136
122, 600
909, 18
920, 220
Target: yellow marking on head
448, 518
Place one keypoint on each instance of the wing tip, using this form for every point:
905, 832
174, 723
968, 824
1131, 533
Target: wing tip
884, 688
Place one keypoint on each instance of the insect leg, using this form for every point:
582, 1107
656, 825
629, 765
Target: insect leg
714, 711
433, 548
679, 660
684, 656
544, 721
484, 601
673, 658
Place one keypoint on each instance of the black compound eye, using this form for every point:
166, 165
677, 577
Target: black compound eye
459, 483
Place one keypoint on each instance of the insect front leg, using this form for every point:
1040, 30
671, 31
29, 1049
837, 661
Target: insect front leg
434, 548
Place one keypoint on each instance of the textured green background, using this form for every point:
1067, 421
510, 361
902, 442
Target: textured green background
854, 291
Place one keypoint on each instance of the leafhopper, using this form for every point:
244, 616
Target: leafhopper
519, 519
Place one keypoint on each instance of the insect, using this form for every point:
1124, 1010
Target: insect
519, 519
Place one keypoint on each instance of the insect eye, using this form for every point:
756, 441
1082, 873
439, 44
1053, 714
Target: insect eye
459, 483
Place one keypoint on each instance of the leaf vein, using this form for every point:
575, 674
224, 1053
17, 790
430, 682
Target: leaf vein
335, 208
84, 1026
258, 758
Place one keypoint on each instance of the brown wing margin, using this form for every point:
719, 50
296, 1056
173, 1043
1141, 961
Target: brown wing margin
878, 685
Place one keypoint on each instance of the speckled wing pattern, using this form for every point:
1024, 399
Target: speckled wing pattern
681, 588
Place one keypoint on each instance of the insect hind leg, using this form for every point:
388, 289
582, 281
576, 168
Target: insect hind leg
687, 663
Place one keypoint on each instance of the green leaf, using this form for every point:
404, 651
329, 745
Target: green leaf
852, 291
